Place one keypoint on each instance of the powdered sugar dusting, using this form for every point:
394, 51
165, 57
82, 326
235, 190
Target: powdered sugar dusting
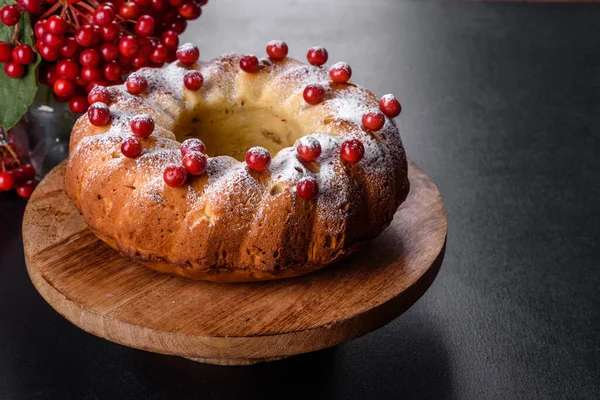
260, 151
388, 97
340, 65
228, 186
309, 142
187, 47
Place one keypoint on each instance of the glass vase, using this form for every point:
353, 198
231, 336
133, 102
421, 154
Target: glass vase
45, 130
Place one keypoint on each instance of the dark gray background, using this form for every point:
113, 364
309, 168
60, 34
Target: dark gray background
501, 108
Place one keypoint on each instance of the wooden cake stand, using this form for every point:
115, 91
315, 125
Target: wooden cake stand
107, 295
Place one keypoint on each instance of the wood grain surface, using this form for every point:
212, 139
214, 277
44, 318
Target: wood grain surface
112, 297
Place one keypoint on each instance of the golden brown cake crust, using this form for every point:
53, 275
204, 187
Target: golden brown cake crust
233, 224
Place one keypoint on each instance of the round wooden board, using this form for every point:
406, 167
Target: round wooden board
110, 296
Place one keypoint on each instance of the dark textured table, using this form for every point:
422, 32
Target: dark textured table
502, 109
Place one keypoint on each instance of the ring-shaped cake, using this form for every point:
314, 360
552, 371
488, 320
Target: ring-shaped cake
233, 223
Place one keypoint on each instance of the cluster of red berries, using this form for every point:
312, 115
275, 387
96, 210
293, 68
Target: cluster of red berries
309, 150
142, 126
85, 44
340, 72
15, 58
194, 162
13, 173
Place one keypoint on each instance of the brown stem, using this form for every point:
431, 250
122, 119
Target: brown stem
52, 9
15, 36
86, 6
14, 156
73, 12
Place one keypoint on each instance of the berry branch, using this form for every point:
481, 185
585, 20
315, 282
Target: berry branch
85, 43
73, 47
13, 173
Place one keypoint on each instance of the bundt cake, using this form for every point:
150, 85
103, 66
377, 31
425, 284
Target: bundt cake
174, 168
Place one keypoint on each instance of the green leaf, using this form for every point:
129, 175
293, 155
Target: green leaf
16, 95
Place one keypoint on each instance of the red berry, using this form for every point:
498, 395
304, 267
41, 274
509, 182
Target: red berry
175, 175
170, 39
104, 16
92, 85
131, 147
352, 150
193, 80
90, 74
5, 52
146, 46
26, 189
23, 54
193, 144
28, 171
158, 5
48, 53
31, 6
86, 36
124, 61
309, 148
64, 88
128, 46
159, 54
249, 63
140, 61
314, 94
142, 3
48, 74
195, 162
39, 29
142, 126
340, 72
317, 56
69, 48
78, 104
53, 40
10, 15
67, 69
190, 10
14, 70
110, 32
136, 84
129, 10
56, 25
7, 182
19, 175
277, 50
110, 5
109, 51
176, 3
373, 120
89, 58
307, 188
390, 106
112, 71
144, 25
99, 114
178, 26
81, 80
258, 159
188, 53
99, 94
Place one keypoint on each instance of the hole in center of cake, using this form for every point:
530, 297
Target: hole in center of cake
232, 131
